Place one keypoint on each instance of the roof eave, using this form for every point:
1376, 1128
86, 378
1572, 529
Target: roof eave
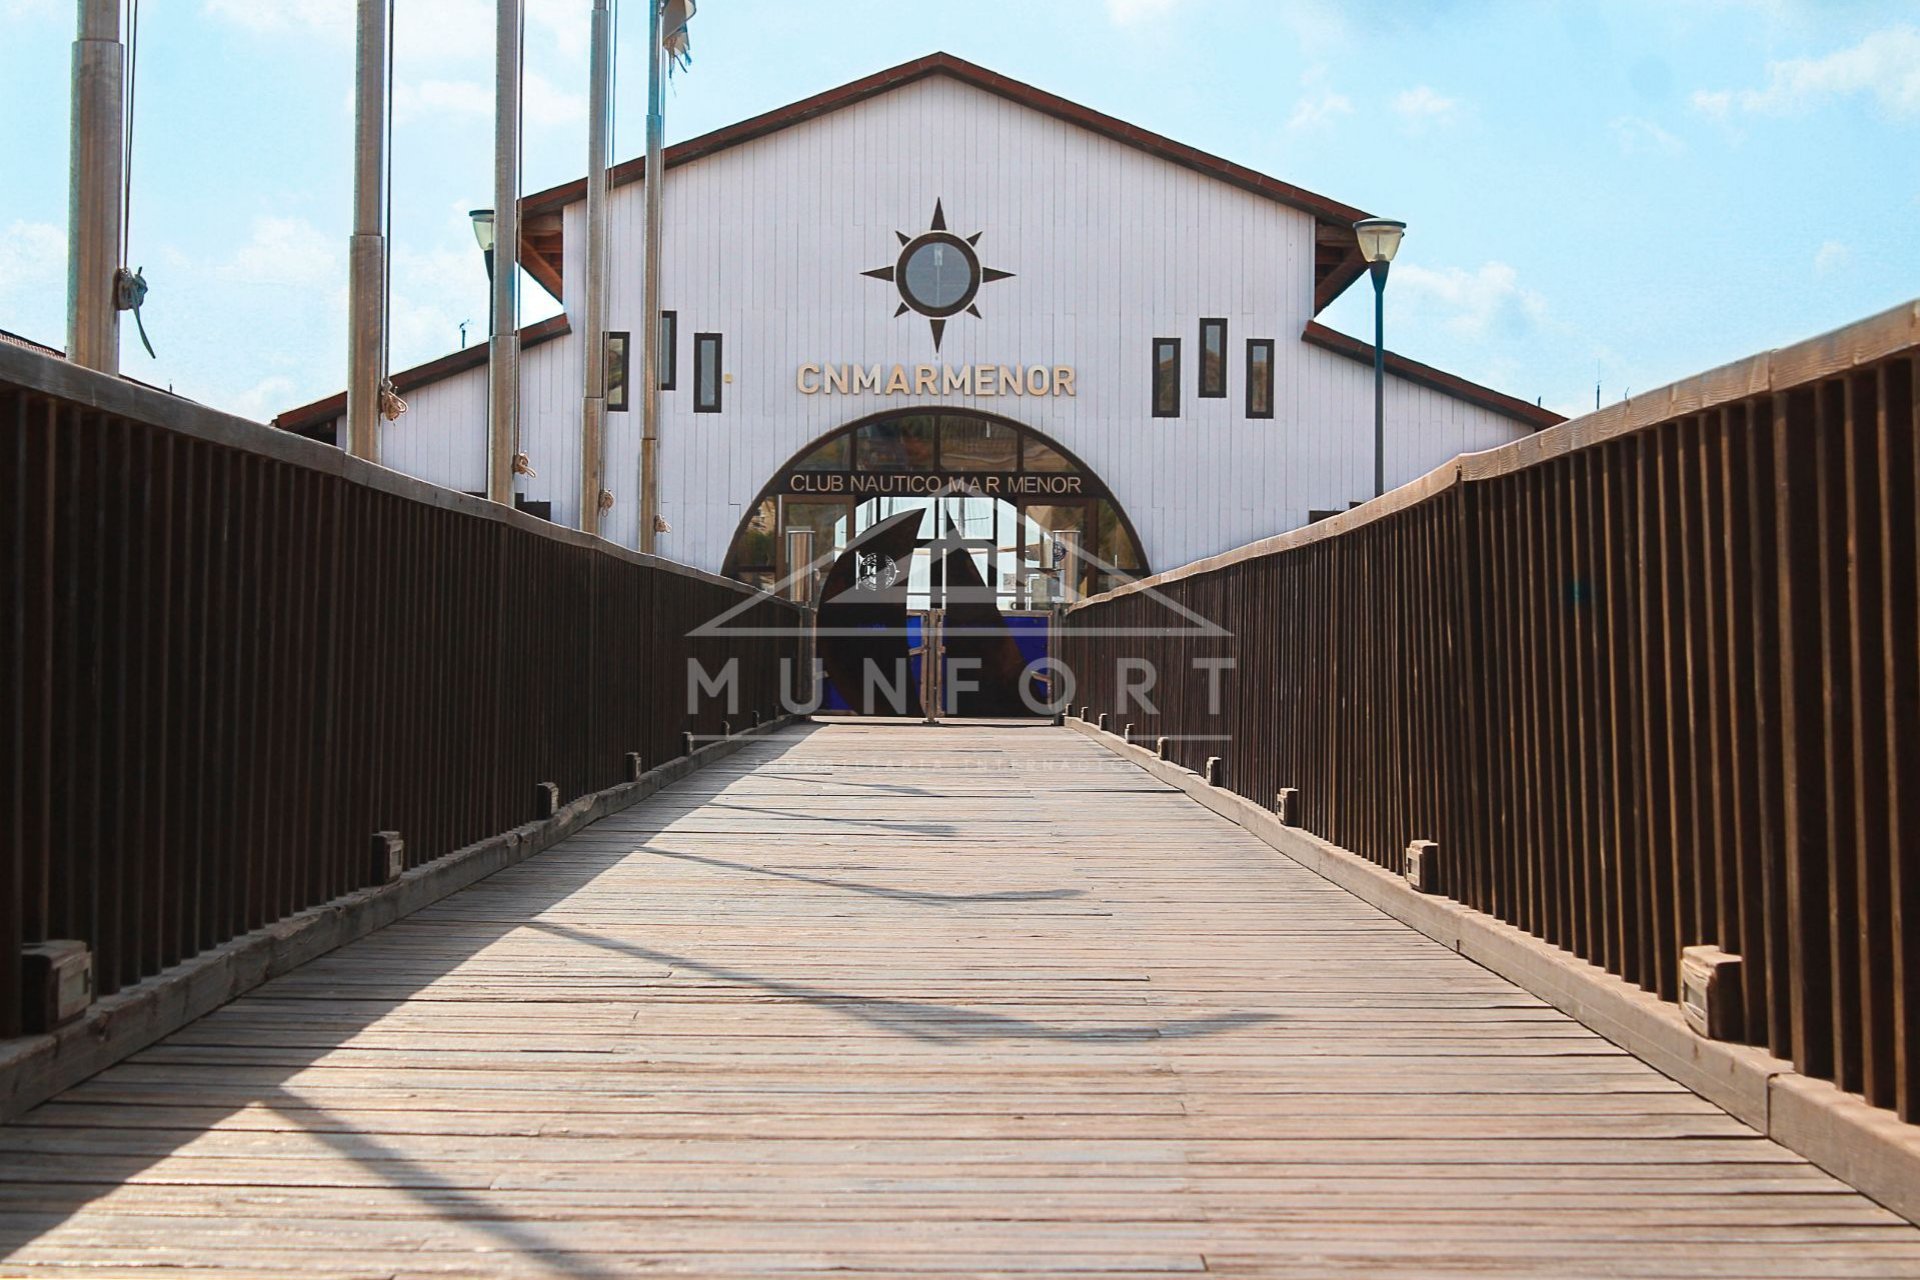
1533, 416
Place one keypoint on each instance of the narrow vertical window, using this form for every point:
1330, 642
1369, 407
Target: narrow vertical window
1213, 359
1166, 377
669, 344
706, 373
616, 372
1259, 377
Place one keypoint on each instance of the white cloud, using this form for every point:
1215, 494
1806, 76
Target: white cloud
33, 255
1469, 304
264, 400
1420, 109
1315, 110
544, 103
287, 251
442, 98
33, 281
1884, 65
1639, 136
1128, 12
279, 16
438, 30
1831, 257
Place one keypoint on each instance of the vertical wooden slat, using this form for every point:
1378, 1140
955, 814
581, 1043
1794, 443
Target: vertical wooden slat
1834, 517
1899, 442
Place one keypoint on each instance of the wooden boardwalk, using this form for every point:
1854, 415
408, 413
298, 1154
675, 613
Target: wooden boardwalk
888, 1000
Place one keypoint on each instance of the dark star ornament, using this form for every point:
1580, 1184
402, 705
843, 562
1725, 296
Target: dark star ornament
937, 274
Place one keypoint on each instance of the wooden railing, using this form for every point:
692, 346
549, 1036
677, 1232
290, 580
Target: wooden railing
1650, 679
232, 656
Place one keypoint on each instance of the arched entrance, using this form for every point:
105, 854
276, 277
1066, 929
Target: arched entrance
1030, 512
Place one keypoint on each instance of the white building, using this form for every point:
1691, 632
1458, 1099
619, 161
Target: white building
1092, 327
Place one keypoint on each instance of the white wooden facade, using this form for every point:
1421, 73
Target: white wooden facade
1110, 246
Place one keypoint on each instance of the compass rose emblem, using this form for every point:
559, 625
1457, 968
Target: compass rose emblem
937, 274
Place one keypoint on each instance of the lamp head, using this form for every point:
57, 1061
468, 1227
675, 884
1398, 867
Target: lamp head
483, 228
1379, 238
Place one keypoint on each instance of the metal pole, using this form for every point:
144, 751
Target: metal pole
650, 320
1379, 378
367, 248
93, 199
503, 345
593, 405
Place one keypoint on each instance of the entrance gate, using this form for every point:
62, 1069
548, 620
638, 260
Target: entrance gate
963, 656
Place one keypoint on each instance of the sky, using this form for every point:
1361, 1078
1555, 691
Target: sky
1611, 192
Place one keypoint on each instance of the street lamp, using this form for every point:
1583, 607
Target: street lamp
1379, 241
483, 234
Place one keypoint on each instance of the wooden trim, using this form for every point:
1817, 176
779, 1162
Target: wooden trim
1317, 334
1154, 394
1266, 345
1200, 359
1351, 267
700, 403
435, 370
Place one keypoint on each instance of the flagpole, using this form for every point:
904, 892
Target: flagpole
503, 344
367, 249
593, 408
650, 318
94, 188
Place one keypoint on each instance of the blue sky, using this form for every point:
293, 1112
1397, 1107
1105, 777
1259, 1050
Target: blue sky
1630, 190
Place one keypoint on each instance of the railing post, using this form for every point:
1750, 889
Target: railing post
387, 857
1286, 806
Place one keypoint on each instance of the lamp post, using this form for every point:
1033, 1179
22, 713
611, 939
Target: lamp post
483, 235
1379, 241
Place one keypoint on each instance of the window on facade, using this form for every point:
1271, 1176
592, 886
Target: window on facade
1166, 377
706, 373
616, 373
1260, 377
1037, 456
668, 366
895, 444
978, 444
1213, 359
834, 455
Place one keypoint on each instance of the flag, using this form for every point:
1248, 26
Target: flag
674, 16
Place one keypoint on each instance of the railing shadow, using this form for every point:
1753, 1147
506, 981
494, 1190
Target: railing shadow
41, 1185
919, 897
927, 1021
46, 1176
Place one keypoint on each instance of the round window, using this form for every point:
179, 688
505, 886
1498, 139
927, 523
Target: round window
938, 274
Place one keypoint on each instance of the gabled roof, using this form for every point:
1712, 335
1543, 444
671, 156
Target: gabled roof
1337, 262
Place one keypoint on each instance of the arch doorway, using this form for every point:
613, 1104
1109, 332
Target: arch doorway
1037, 522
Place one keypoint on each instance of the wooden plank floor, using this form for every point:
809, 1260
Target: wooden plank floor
889, 1000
